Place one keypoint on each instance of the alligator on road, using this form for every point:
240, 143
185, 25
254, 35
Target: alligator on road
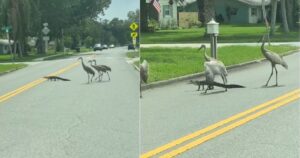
54, 78
211, 84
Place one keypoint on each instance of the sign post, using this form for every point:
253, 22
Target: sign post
134, 34
46, 38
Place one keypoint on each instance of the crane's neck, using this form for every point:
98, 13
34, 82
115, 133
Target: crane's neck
263, 50
205, 52
82, 63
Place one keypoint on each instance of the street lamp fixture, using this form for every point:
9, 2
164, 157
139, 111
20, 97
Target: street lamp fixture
213, 30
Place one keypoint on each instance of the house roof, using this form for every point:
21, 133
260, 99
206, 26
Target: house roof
255, 2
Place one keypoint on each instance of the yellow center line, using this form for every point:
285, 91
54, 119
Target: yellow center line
34, 83
214, 126
229, 127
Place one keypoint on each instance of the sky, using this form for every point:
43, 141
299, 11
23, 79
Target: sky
120, 8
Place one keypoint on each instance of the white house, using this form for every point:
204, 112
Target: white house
4, 49
230, 11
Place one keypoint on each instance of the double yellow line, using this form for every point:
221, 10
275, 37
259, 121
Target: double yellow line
34, 83
229, 124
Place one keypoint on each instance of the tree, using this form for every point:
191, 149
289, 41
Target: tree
134, 16
144, 15
11, 11
283, 16
206, 10
273, 16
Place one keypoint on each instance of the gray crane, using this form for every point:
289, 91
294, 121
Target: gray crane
213, 68
206, 57
87, 69
99, 68
144, 73
273, 58
106, 68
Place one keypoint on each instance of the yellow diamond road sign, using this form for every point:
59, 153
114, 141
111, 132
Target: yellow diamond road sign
134, 34
134, 26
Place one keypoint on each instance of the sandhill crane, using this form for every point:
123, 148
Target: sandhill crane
213, 68
99, 69
105, 67
87, 69
144, 73
206, 57
273, 58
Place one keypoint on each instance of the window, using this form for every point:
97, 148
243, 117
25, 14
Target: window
253, 11
166, 10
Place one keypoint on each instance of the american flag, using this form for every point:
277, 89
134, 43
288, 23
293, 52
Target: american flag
156, 5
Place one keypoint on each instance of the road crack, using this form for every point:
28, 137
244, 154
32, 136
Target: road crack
78, 121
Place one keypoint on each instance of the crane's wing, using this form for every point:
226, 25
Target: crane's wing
276, 59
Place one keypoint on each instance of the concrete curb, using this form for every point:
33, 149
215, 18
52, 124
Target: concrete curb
198, 75
131, 62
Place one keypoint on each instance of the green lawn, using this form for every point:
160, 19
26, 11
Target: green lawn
10, 67
133, 54
166, 63
228, 33
32, 55
7, 57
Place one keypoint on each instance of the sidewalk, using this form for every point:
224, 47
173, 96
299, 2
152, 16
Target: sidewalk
197, 45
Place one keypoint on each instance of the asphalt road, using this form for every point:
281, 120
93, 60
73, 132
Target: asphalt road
71, 119
174, 111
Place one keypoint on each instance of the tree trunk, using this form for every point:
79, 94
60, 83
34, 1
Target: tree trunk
40, 45
200, 4
209, 10
144, 16
273, 18
283, 15
290, 19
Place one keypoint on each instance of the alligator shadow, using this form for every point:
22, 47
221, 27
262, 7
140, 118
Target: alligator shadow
215, 92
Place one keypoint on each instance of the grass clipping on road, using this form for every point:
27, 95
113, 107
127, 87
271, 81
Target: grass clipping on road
10, 67
167, 63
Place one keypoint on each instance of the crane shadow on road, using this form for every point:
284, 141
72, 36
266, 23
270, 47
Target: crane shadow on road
96, 82
273, 86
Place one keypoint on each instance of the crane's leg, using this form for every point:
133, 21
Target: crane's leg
270, 76
92, 77
88, 78
108, 75
100, 78
224, 80
141, 90
276, 76
99, 75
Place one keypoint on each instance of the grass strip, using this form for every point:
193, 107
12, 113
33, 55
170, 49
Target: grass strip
167, 63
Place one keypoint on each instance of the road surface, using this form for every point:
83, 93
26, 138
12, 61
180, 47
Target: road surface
71, 119
174, 111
